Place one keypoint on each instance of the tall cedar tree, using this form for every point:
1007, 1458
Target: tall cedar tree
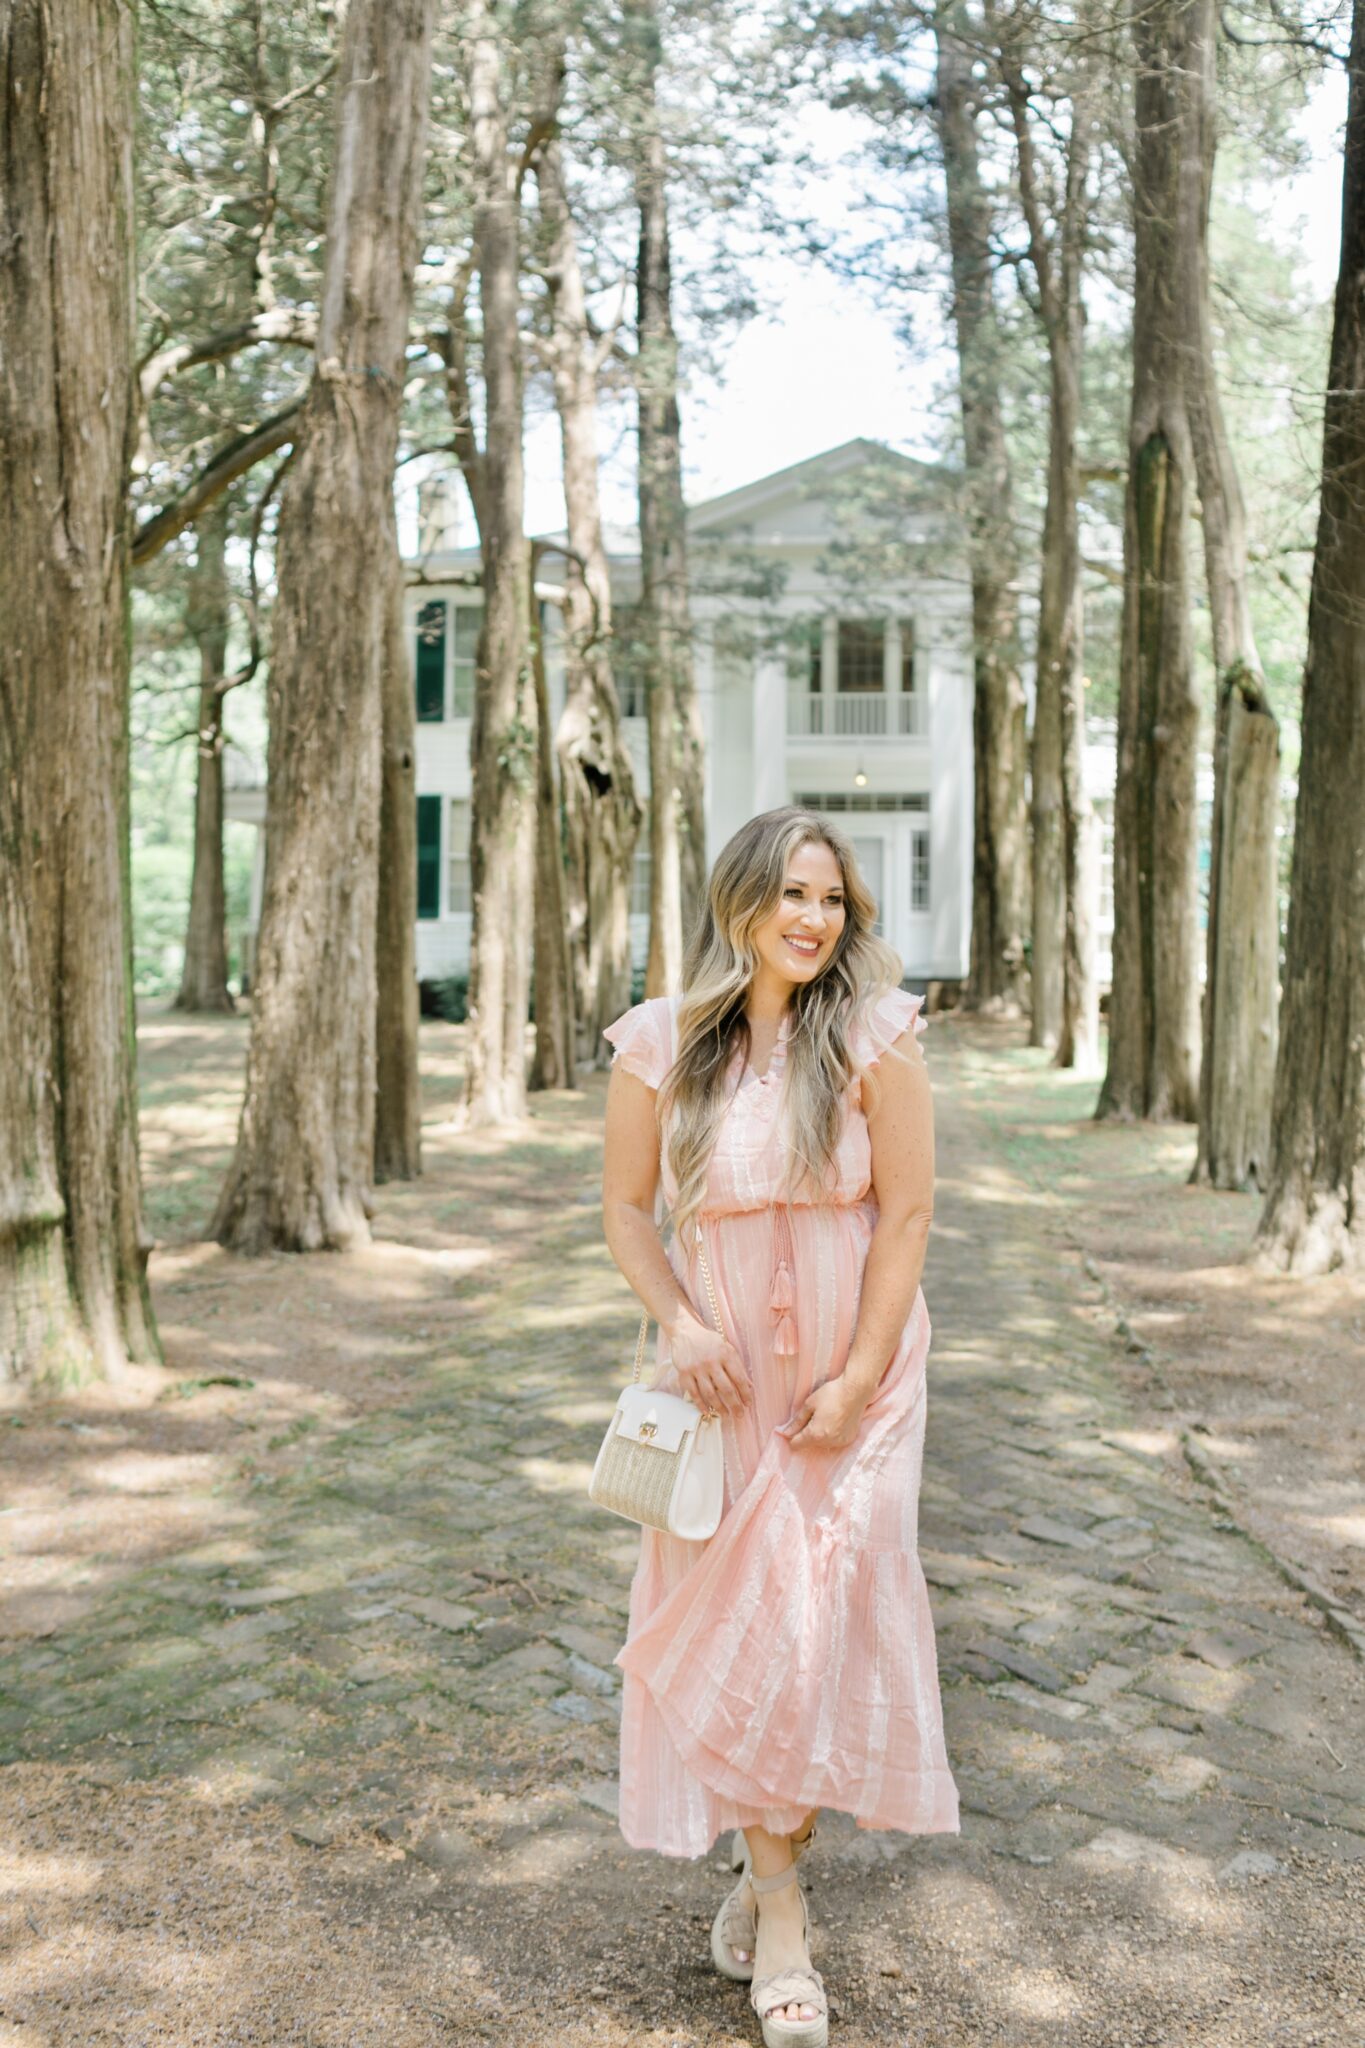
1065, 873
398, 1105
73, 1290
602, 811
503, 734
302, 1173
552, 1061
203, 978
1000, 883
1314, 1217
1237, 1062
677, 813
1153, 1066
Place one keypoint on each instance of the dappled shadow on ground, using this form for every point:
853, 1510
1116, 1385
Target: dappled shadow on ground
309, 1711
1264, 1370
149, 1914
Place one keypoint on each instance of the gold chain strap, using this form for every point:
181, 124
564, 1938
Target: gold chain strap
705, 1265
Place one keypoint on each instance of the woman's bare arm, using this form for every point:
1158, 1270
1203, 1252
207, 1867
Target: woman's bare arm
708, 1366
900, 1123
901, 1127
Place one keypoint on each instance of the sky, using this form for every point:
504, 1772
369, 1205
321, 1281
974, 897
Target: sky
826, 365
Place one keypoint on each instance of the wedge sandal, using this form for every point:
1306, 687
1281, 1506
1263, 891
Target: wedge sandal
789, 1987
734, 1927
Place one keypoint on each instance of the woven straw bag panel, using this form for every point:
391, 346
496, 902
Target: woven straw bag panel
637, 1480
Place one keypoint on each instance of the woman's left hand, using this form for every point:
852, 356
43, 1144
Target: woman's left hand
828, 1419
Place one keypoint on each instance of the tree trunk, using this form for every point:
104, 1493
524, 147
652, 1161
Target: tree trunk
73, 1287
1314, 1216
677, 806
552, 1063
1240, 1023
602, 811
503, 732
1065, 998
398, 1088
1000, 884
1058, 651
1153, 1068
301, 1178
203, 980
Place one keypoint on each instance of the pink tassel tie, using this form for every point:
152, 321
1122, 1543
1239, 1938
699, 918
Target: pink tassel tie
782, 1297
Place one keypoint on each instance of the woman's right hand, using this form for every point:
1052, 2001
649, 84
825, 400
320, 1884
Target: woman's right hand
709, 1369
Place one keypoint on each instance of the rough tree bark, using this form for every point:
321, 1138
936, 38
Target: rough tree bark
398, 1104
203, 979
602, 810
503, 730
73, 1289
552, 1062
1241, 983
1314, 1215
301, 1176
1065, 995
1153, 1068
998, 978
677, 811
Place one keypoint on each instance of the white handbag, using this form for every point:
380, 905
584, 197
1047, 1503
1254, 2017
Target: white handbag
662, 1461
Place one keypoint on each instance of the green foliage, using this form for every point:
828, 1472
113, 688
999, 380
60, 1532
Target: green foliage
449, 998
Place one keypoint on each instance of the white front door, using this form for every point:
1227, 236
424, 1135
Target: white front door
893, 860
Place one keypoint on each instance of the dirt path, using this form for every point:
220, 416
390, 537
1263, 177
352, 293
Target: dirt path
308, 1720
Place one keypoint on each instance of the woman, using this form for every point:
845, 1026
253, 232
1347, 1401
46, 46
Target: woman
788, 1664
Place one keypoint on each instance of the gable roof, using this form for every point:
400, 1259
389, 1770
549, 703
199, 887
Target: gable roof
797, 480
793, 484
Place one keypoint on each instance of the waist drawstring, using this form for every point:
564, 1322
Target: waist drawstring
782, 1295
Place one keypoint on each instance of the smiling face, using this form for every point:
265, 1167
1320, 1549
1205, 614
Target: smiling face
796, 941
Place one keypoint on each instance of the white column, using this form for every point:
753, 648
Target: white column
947, 671
770, 731
704, 682
891, 678
829, 673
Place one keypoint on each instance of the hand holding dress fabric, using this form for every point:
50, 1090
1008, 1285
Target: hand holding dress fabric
828, 1418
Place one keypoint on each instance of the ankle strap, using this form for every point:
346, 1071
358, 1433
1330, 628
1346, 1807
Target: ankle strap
775, 1883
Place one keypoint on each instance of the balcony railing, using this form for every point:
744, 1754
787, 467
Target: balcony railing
864, 715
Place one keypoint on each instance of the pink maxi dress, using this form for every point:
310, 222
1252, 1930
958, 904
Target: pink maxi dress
789, 1662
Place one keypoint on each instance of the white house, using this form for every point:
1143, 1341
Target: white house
820, 681
831, 608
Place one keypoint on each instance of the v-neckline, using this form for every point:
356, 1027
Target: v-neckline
779, 1049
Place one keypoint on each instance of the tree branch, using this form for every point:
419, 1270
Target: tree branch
280, 323
227, 465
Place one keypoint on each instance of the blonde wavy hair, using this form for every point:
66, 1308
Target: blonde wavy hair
745, 889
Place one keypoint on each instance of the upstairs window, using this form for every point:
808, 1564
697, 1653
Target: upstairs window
907, 657
468, 620
431, 663
862, 656
805, 656
630, 660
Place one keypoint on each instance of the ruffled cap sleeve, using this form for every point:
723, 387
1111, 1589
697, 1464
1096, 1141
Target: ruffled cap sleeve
643, 1040
883, 1021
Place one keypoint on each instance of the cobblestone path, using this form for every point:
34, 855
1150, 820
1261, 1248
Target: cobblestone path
372, 1725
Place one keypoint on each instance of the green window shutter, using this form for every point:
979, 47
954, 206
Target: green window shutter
428, 856
431, 664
